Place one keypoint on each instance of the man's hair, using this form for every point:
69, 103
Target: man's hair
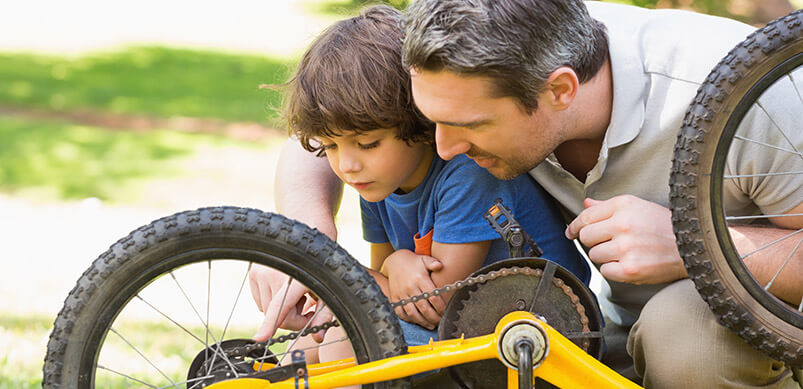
352, 79
515, 43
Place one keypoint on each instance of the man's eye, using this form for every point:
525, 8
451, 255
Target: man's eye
368, 145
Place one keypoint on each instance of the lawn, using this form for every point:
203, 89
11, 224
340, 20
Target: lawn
24, 339
154, 81
52, 160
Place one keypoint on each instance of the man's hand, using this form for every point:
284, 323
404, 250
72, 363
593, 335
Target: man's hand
409, 275
285, 304
630, 238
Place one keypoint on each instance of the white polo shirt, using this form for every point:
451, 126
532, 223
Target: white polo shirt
659, 58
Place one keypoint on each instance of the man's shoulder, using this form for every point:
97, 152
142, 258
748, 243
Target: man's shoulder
676, 44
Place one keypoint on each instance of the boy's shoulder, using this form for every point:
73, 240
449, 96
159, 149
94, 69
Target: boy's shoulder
462, 174
464, 168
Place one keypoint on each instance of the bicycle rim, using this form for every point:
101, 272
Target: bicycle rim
712, 164
153, 310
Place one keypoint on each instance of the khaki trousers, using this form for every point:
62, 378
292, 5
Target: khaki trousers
677, 343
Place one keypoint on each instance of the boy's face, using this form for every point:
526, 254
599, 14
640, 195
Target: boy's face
496, 132
376, 163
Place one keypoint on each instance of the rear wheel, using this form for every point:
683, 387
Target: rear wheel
165, 305
743, 135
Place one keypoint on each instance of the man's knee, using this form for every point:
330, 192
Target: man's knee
678, 342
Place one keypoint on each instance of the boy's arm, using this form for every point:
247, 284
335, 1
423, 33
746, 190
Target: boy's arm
410, 274
380, 251
459, 260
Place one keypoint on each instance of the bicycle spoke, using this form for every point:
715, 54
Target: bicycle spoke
771, 243
781, 131
763, 174
731, 218
794, 86
767, 287
206, 325
208, 293
126, 376
206, 345
143, 356
197, 381
276, 320
767, 145
237, 299
317, 311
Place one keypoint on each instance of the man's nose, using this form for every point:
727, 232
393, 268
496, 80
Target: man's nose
449, 142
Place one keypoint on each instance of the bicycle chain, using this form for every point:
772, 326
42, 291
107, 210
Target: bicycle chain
469, 281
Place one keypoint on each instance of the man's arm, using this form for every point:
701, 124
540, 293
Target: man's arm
633, 241
306, 189
786, 253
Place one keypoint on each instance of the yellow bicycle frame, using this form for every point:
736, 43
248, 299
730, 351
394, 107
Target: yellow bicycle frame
564, 364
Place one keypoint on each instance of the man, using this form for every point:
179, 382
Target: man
590, 104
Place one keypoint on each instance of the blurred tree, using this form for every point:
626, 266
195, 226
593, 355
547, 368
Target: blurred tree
398, 4
756, 12
353, 7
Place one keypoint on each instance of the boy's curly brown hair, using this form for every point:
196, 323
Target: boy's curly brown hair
352, 79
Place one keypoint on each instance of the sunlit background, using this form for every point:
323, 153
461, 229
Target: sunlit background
114, 114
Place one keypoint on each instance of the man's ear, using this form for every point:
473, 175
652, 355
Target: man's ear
561, 87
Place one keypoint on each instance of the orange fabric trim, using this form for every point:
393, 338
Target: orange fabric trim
423, 244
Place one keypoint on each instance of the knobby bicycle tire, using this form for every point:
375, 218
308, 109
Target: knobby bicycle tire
703, 241
196, 237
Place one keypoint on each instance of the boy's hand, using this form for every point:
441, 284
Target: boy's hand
284, 303
631, 238
409, 275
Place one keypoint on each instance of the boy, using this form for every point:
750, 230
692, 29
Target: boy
350, 100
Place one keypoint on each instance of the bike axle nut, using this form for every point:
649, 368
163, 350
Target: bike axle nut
516, 332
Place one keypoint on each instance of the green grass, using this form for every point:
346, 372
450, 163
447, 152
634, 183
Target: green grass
54, 160
24, 341
154, 81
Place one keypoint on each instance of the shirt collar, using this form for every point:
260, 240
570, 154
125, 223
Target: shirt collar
630, 82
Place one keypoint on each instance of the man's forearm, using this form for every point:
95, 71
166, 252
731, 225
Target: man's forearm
306, 189
764, 263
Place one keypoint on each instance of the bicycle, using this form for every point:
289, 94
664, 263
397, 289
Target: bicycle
129, 280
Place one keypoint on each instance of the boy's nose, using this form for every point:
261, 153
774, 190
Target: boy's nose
349, 164
449, 143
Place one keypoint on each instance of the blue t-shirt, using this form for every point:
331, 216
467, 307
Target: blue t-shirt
450, 203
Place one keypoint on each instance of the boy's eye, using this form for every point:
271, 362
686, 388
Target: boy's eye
367, 146
330, 146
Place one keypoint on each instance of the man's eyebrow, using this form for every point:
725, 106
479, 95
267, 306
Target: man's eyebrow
468, 124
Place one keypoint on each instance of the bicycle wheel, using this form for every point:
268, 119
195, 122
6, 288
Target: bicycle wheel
160, 301
740, 145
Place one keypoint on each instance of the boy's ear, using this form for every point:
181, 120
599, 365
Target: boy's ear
561, 87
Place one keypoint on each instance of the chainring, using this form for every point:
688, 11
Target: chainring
210, 367
563, 302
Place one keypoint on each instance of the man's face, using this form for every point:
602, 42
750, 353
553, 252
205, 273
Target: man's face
496, 132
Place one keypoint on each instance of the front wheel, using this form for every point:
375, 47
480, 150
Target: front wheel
165, 305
